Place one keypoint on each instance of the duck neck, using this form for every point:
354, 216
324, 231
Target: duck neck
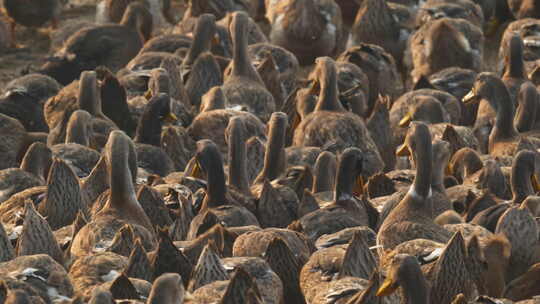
344, 183
121, 179
520, 181
89, 100
241, 60
37, 160
237, 159
77, 131
216, 188
324, 173
274, 158
415, 287
423, 158
328, 98
515, 64
437, 176
504, 120
204, 31
149, 128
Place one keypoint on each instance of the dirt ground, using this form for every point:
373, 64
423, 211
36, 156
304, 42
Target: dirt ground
34, 44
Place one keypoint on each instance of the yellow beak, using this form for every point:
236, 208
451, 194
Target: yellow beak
148, 95
406, 120
470, 98
170, 118
403, 150
535, 183
387, 288
358, 189
196, 171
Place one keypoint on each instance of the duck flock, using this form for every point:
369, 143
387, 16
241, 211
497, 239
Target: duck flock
272, 152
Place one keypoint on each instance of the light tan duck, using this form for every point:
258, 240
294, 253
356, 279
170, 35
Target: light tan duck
42, 278
112, 46
23, 97
375, 24
273, 197
344, 210
267, 281
447, 276
14, 141
59, 200
413, 217
463, 38
121, 207
76, 151
440, 202
215, 116
504, 140
522, 9
147, 139
472, 173
244, 86
284, 250
384, 80
341, 129
82, 95
338, 272
286, 63
200, 70
307, 28
32, 172
218, 201
464, 9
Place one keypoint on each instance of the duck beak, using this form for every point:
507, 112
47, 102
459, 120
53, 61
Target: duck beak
387, 288
470, 98
492, 26
196, 171
170, 118
358, 188
449, 170
406, 120
188, 297
403, 150
148, 94
535, 183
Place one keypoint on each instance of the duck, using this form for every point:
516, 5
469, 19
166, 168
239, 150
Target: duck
345, 209
168, 289
447, 276
218, 200
514, 74
338, 272
84, 95
121, 206
504, 140
338, 123
147, 139
527, 108
244, 80
200, 70
274, 197
307, 28
415, 209
384, 80
464, 9
214, 117
196, 9
522, 9
115, 46
32, 172
23, 99
520, 288
462, 37
375, 24
31, 14
76, 151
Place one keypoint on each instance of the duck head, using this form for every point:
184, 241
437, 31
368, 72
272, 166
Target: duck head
405, 272
427, 109
349, 180
156, 114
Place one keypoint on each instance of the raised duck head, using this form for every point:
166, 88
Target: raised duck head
241, 65
348, 182
208, 159
156, 113
79, 128
326, 78
138, 17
